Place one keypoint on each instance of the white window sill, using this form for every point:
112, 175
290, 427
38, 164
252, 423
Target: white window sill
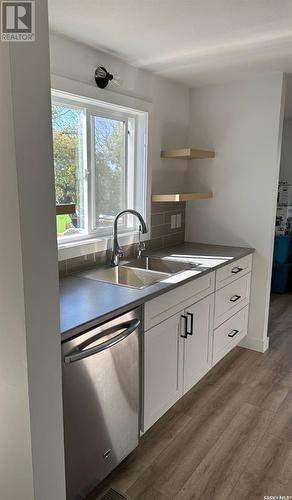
92, 245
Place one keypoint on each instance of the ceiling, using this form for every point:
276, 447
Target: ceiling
195, 42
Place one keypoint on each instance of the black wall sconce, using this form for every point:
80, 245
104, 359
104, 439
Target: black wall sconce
102, 77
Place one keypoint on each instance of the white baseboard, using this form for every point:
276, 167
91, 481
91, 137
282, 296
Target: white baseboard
260, 345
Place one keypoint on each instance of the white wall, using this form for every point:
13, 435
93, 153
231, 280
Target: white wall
166, 101
15, 437
242, 122
286, 153
288, 97
31, 448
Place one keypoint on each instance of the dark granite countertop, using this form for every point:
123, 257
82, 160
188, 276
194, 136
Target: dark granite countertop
85, 303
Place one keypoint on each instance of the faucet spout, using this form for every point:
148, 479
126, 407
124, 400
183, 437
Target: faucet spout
117, 252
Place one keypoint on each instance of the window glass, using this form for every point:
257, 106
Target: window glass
109, 184
68, 139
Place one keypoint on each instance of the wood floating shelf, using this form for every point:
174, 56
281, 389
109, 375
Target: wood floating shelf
187, 154
181, 197
68, 208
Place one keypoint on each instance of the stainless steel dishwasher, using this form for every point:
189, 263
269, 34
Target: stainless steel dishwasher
101, 385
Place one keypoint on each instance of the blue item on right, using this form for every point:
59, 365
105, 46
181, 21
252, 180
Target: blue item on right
282, 249
282, 278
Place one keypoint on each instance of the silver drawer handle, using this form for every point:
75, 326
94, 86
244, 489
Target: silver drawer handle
233, 333
236, 270
234, 298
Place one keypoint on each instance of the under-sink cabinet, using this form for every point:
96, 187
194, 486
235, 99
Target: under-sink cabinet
162, 369
197, 331
188, 330
166, 305
177, 352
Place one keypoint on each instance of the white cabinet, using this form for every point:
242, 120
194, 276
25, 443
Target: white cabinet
188, 330
177, 353
229, 334
198, 344
233, 271
164, 306
231, 298
163, 349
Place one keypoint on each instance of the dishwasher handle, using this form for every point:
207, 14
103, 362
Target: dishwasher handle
80, 352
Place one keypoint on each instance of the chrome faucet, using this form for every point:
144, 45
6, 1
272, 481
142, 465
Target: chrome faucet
140, 245
117, 252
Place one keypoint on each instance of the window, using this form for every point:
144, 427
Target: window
100, 165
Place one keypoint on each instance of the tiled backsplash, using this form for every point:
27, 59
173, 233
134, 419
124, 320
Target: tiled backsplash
162, 236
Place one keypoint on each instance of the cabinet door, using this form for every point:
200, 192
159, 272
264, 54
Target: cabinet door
162, 369
198, 344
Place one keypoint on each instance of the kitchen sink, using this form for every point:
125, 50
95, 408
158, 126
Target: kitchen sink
126, 275
160, 265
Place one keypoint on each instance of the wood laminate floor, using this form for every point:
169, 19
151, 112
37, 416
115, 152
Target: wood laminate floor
230, 437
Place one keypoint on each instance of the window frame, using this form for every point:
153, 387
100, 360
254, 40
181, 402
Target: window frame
90, 160
138, 143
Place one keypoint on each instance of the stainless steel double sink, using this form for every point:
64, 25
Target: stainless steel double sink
139, 273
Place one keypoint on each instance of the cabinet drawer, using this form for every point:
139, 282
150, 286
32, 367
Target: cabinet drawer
231, 298
229, 334
233, 271
164, 306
